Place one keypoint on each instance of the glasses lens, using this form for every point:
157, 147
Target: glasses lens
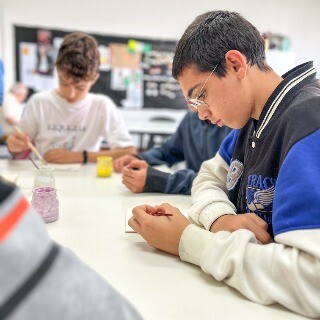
197, 103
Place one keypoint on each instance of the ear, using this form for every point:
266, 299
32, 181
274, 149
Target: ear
236, 63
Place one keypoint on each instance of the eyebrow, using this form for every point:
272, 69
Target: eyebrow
190, 92
63, 81
81, 85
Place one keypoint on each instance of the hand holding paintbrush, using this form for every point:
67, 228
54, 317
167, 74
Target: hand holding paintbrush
30, 145
159, 212
162, 233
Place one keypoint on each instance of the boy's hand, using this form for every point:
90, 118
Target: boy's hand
134, 176
120, 163
160, 232
249, 221
61, 155
17, 142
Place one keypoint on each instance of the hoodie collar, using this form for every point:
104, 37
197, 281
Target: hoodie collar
293, 81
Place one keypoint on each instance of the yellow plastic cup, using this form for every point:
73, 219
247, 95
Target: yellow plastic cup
104, 166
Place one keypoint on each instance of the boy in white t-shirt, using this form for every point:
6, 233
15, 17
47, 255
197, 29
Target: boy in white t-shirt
68, 124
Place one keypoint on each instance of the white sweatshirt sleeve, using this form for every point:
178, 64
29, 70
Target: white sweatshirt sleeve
285, 272
209, 193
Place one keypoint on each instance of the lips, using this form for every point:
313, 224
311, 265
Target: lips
219, 123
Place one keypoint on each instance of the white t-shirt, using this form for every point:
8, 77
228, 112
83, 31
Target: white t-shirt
53, 122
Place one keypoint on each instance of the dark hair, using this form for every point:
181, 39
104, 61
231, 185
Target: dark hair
210, 36
79, 57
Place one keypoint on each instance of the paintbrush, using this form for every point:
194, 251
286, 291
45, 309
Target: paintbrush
159, 214
32, 147
33, 162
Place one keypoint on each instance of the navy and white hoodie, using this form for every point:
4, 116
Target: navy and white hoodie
270, 167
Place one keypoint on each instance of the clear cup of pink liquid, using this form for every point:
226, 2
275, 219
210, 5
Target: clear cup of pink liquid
46, 203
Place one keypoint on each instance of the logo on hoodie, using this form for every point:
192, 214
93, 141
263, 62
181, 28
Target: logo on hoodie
259, 196
234, 174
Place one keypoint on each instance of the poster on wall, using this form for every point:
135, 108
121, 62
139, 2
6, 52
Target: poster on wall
135, 73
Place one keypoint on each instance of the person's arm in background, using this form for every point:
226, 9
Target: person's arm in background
149, 179
62, 155
139, 177
169, 153
179, 182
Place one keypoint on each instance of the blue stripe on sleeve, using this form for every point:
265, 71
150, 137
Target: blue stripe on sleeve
227, 146
297, 195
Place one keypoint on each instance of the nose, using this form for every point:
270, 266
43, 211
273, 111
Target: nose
201, 114
71, 93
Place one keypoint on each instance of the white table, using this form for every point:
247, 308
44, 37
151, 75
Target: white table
161, 286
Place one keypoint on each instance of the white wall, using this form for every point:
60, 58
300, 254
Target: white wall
165, 19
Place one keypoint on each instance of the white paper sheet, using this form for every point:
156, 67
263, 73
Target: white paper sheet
128, 229
63, 167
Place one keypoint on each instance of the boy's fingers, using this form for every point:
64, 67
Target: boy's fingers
167, 207
264, 236
117, 166
121, 162
260, 233
142, 212
128, 178
129, 173
126, 161
130, 186
256, 219
21, 137
139, 164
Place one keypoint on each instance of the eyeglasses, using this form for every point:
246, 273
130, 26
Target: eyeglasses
196, 102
